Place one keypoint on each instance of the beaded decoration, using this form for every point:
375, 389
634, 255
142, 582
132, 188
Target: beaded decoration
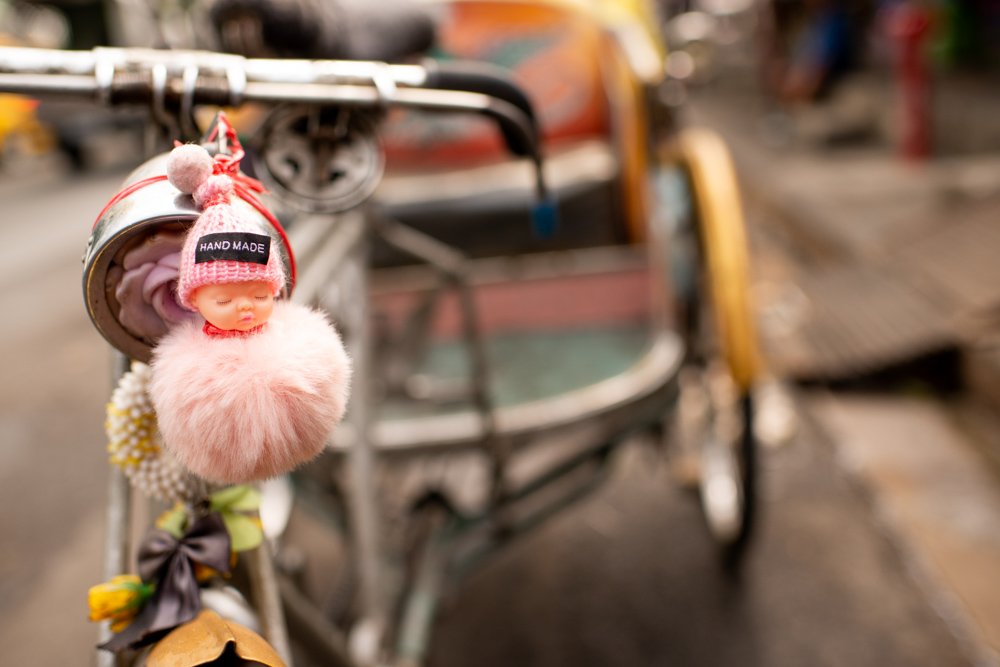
135, 445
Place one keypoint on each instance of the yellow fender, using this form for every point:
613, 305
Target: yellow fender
716, 196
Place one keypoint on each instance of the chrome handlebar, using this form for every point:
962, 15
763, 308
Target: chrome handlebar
104, 71
178, 80
173, 83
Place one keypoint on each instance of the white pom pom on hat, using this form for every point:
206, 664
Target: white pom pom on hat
188, 166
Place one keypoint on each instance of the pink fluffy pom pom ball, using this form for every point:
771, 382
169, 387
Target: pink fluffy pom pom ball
238, 410
188, 166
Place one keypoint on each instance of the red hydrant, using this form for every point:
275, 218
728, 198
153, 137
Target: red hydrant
908, 25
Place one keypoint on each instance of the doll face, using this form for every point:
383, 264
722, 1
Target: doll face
235, 306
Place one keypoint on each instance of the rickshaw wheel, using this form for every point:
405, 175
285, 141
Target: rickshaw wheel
715, 435
725, 451
717, 326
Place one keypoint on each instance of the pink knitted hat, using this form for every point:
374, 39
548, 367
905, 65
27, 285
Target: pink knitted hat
221, 247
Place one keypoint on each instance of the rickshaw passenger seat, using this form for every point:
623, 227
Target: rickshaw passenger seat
485, 211
450, 177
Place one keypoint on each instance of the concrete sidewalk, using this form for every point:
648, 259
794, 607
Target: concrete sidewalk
884, 261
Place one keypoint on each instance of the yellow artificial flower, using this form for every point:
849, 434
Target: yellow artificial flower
203, 572
118, 600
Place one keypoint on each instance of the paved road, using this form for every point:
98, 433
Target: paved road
627, 578
630, 578
55, 383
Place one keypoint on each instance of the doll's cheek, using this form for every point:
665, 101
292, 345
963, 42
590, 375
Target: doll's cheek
264, 309
218, 316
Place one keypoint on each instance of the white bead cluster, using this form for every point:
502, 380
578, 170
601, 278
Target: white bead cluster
135, 444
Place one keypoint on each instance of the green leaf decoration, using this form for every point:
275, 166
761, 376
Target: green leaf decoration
241, 498
245, 532
238, 506
174, 521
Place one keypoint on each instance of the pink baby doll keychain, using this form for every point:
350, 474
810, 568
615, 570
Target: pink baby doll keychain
256, 389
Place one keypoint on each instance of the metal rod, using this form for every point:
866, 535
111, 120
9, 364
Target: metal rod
481, 398
176, 60
268, 598
452, 264
118, 518
299, 71
613, 403
571, 490
311, 626
363, 500
420, 606
328, 255
86, 86
230, 80
73, 85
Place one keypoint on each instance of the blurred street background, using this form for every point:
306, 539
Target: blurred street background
870, 166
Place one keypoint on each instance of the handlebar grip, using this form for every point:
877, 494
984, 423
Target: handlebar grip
478, 77
515, 116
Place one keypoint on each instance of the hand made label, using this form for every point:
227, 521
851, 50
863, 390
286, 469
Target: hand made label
238, 246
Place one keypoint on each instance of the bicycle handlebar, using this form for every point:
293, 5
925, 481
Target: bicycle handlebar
180, 80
